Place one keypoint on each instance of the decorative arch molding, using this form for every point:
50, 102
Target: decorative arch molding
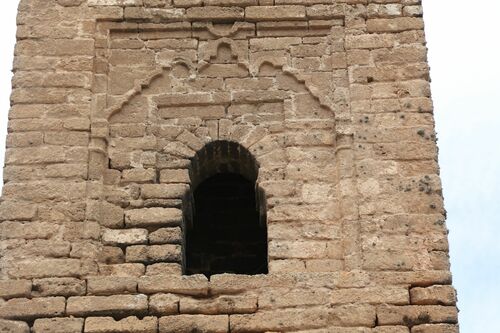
284, 115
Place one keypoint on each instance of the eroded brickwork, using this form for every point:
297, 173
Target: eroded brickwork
117, 108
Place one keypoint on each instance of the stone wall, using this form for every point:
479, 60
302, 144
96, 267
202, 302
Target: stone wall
114, 104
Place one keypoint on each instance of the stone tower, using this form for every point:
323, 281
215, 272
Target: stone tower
222, 166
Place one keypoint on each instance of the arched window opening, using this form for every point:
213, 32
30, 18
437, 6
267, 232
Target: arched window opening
226, 230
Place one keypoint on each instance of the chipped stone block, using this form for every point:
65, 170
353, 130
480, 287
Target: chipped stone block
58, 287
126, 325
434, 295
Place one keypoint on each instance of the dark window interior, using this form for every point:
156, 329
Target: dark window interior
226, 234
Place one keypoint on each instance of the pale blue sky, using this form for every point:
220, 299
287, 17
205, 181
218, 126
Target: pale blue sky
464, 42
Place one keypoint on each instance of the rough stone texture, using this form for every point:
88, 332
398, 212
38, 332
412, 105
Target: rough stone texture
58, 325
9, 326
113, 105
126, 325
15, 288
22, 308
194, 323
107, 305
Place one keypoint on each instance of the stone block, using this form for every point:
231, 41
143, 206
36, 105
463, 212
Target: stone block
165, 191
125, 236
414, 279
280, 320
372, 295
215, 13
195, 285
14, 288
29, 309
275, 13
219, 305
395, 24
138, 175
126, 325
233, 283
166, 236
32, 230
325, 12
436, 328
112, 285
107, 305
51, 268
164, 269
58, 287
153, 253
434, 295
130, 270
174, 176
153, 217
107, 214
194, 323
285, 298
411, 315
391, 329
111, 255
9, 326
164, 304
353, 315
58, 325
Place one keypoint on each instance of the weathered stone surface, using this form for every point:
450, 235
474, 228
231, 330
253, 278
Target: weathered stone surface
58, 325
126, 325
194, 323
11, 211
435, 295
219, 305
153, 217
164, 304
168, 191
111, 285
9, 326
275, 13
153, 253
125, 237
374, 295
15, 288
286, 298
281, 320
230, 283
22, 308
121, 109
106, 305
412, 315
164, 269
196, 285
441, 328
58, 287
166, 236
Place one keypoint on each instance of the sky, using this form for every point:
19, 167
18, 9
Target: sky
464, 55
